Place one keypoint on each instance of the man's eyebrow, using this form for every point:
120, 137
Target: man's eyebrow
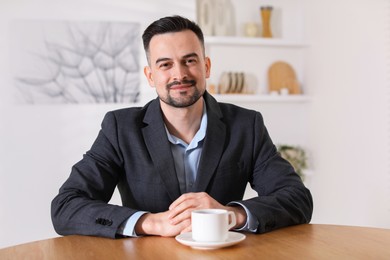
189, 55
193, 54
162, 59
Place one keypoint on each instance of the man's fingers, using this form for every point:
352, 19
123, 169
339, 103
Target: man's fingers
180, 200
188, 229
185, 215
182, 204
191, 201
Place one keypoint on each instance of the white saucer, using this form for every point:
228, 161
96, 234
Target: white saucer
186, 239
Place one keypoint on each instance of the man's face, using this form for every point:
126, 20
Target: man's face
177, 68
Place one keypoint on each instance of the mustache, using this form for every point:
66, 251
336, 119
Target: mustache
184, 81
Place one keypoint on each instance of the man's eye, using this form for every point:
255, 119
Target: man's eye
164, 65
191, 61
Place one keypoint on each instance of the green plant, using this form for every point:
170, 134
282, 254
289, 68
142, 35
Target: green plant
296, 155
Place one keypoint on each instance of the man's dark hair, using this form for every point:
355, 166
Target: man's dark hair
170, 24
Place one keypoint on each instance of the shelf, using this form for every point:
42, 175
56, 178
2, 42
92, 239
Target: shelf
273, 42
261, 98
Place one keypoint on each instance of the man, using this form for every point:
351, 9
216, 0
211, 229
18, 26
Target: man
180, 152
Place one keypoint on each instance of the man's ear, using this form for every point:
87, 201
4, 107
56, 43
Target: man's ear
208, 67
148, 75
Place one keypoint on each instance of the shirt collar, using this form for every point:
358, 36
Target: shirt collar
199, 136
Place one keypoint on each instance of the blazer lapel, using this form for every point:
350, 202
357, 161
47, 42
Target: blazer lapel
213, 144
159, 148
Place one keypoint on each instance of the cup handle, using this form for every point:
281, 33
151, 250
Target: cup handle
232, 220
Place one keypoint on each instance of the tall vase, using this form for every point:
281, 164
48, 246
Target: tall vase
266, 21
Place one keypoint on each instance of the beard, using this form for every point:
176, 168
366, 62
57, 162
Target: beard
187, 97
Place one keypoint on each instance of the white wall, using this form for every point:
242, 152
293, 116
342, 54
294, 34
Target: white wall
348, 78
346, 74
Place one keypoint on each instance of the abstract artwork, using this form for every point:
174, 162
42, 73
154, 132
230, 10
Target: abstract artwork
72, 62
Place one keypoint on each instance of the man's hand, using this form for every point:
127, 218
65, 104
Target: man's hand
177, 219
160, 224
180, 210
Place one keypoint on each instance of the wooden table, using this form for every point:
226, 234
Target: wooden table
297, 242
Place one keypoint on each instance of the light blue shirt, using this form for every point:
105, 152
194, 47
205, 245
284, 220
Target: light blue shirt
186, 158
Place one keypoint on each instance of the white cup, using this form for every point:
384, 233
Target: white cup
212, 225
284, 91
251, 30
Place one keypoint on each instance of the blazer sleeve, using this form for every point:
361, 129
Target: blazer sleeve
282, 199
81, 204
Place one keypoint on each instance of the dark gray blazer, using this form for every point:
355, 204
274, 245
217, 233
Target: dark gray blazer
132, 152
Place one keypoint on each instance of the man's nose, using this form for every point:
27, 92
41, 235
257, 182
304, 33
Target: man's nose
180, 72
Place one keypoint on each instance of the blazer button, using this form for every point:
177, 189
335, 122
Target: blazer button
103, 221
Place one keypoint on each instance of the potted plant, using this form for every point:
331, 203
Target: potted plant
296, 155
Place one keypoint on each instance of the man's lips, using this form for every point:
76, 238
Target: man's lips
176, 85
181, 86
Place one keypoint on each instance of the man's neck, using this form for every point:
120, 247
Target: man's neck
183, 122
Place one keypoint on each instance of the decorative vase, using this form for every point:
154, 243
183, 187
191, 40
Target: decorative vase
266, 21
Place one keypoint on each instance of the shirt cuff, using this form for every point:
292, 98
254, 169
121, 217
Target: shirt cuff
251, 222
127, 227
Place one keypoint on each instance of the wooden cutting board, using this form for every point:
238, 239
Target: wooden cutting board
282, 75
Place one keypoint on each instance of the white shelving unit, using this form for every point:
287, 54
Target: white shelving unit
255, 47
286, 116
255, 98
242, 42
247, 41
254, 55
